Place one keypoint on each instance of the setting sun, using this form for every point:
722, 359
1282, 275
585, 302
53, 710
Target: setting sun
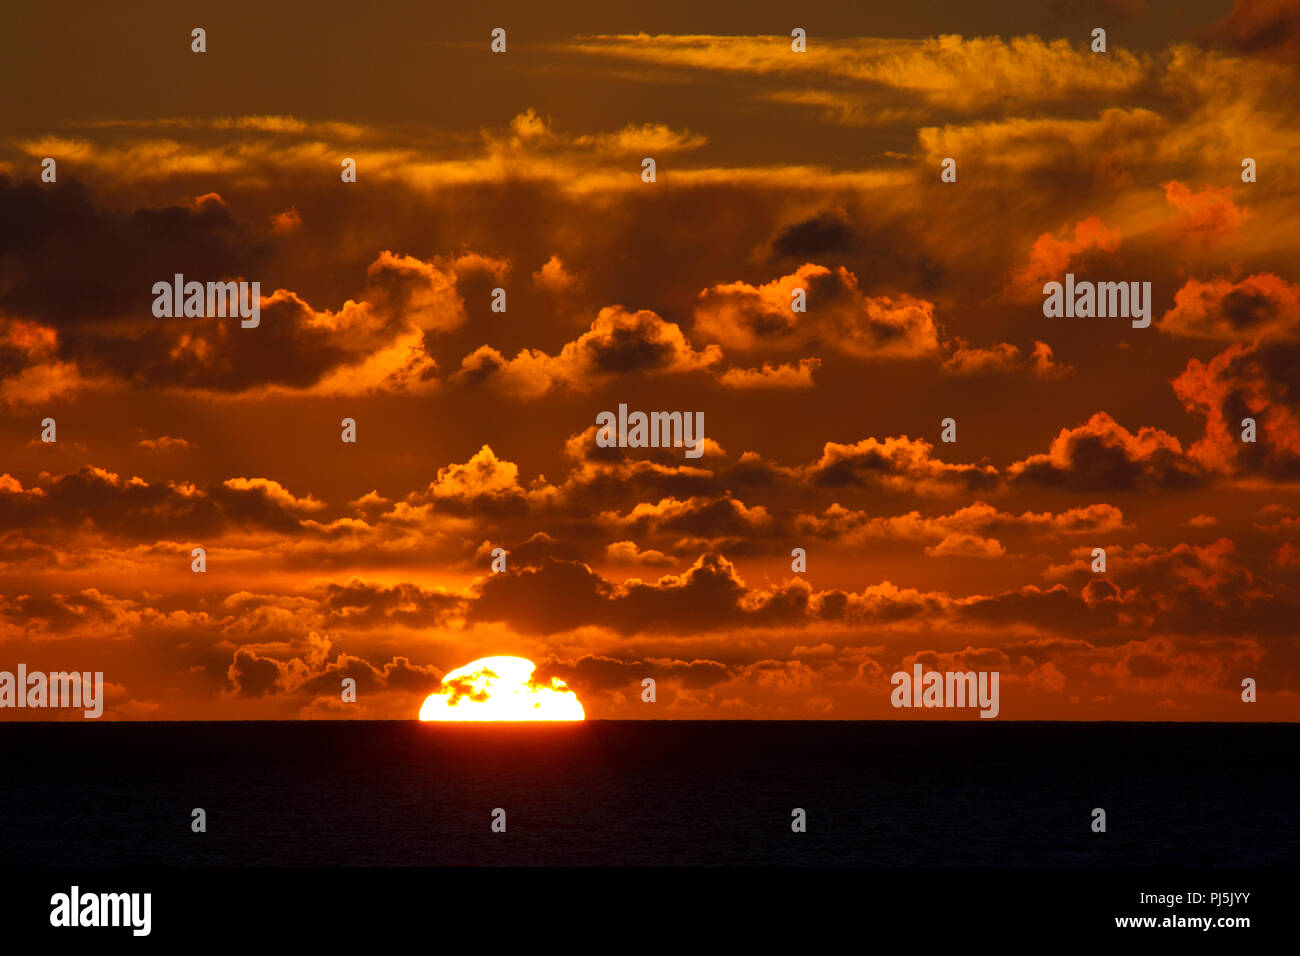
500, 688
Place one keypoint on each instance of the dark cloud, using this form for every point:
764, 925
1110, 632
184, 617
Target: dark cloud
302, 678
1260, 382
562, 595
69, 259
253, 676
826, 232
1260, 27
1101, 455
132, 508
363, 604
596, 673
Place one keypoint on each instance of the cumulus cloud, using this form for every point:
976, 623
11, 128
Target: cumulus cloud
1260, 382
96, 499
31, 371
484, 484
899, 462
629, 552
968, 530
554, 277
784, 375
254, 672
744, 317
1004, 358
1262, 307
1051, 256
618, 343
374, 344
163, 443
1207, 214
118, 255
1269, 28
1103, 455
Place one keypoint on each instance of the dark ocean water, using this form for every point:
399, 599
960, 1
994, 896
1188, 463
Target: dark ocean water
661, 793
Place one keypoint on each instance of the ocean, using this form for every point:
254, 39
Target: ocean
661, 793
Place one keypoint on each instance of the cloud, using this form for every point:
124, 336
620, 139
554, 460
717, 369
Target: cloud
553, 277
1186, 588
563, 595
1278, 519
743, 317
1003, 358
1045, 364
1208, 214
530, 132
1051, 257
969, 530
364, 604
694, 522
283, 223
594, 673
70, 261
1102, 455
947, 70
374, 345
1269, 28
785, 375
1021, 145
648, 139
31, 371
1260, 382
163, 443
900, 463
57, 614
1258, 308
973, 361
96, 499
618, 343
827, 232
312, 673
485, 484
629, 552
268, 123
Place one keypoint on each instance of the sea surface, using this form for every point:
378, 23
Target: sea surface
365, 793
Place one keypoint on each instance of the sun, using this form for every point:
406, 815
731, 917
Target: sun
500, 688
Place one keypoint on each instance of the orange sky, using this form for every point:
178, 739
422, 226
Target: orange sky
476, 429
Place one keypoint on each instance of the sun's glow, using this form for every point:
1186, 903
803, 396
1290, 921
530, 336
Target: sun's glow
499, 688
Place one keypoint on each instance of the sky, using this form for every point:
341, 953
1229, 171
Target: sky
775, 171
